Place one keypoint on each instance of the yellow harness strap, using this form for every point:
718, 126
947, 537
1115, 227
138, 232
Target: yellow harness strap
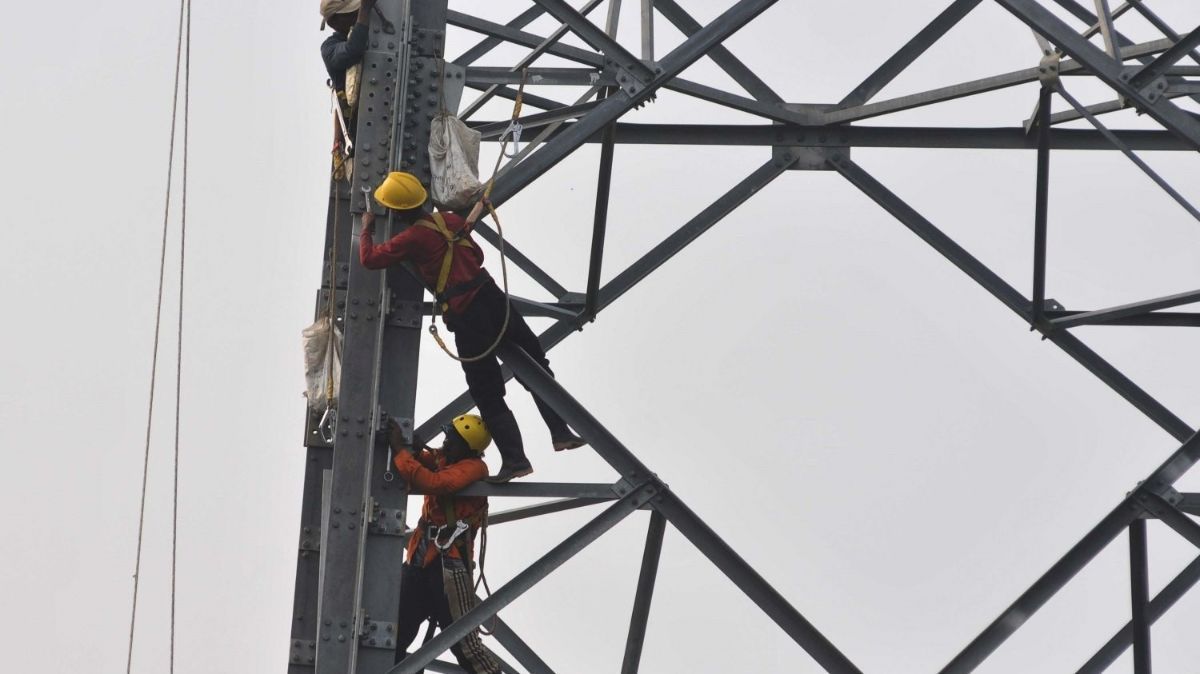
439, 225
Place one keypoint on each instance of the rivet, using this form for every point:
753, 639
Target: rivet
341, 637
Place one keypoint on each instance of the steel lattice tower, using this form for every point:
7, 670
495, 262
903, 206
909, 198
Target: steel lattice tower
347, 582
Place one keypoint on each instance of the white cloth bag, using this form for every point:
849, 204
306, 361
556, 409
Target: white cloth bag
322, 362
454, 160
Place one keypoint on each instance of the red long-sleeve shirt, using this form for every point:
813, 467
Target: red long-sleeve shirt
426, 248
442, 480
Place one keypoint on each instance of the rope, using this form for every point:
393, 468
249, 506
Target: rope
187, 92
487, 191
162, 265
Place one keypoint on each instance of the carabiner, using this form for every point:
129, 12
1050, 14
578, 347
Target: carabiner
326, 426
514, 129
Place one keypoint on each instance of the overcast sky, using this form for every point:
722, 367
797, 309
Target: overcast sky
885, 442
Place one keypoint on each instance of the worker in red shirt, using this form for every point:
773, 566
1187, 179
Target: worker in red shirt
475, 309
436, 583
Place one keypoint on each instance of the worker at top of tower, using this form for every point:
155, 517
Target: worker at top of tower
475, 309
436, 582
344, 50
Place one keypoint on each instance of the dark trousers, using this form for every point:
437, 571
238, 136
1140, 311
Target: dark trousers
474, 331
423, 597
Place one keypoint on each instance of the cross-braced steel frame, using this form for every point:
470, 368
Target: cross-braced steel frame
353, 529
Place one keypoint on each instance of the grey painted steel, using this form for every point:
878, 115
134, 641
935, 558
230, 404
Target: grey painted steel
544, 45
600, 222
494, 130
614, 106
1152, 71
487, 44
910, 52
541, 490
1127, 310
520, 650
647, 17
1189, 503
1169, 515
520, 37
1011, 138
1158, 318
980, 86
683, 518
1162, 602
510, 93
1130, 509
522, 261
1011, 298
1139, 594
735, 102
520, 583
1105, 68
574, 77
1105, 17
549, 507
645, 593
1041, 205
596, 38
1161, 25
1179, 198
720, 55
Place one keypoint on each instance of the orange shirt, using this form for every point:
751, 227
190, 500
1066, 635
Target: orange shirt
431, 474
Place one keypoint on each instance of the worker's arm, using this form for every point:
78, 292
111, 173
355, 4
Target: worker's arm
382, 255
340, 55
448, 480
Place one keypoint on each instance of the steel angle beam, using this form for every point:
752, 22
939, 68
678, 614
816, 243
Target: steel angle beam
1139, 590
1011, 298
910, 52
547, 508
515, 179
983, 85
724, 59
520, 37
1166, 319
724, 557
1129, 510
1158, 68
522, 261
919, 137
524, 580
1112, 650
597, 39
575, 77
1109, 70
1126, 310
487, 44
645, 593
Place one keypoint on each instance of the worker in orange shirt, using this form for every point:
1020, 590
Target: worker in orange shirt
475, 308
436, 583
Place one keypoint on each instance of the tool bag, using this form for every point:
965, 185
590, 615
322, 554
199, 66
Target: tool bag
322, 364
454, 162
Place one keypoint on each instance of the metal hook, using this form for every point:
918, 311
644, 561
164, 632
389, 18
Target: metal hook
514, 129
326, 427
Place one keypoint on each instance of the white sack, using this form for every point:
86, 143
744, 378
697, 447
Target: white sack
322, 362
454, 160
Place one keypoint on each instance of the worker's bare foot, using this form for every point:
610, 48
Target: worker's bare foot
568, 441
509, 472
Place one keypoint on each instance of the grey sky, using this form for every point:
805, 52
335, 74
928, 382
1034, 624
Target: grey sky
885, 442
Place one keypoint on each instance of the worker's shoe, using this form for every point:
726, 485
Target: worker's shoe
510, 472
568, 440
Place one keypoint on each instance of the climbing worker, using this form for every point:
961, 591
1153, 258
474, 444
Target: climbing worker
475, 309
436, 582
343, 54
346, 47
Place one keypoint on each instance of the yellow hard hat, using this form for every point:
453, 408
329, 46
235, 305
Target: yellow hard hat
401, 191
474, 431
